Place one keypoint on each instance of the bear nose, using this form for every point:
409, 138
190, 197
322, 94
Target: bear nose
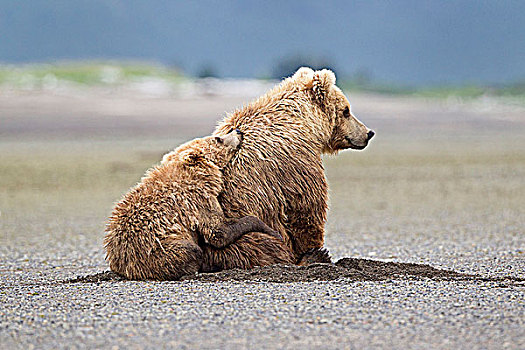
371, 134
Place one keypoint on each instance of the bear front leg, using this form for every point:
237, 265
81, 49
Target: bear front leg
229, 233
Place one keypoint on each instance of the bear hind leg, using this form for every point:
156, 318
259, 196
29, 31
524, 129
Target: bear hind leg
250, 250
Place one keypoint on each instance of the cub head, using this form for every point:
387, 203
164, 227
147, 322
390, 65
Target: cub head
345, 130
211, 150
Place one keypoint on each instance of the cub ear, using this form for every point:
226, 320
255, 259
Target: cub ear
322, 82
191, 157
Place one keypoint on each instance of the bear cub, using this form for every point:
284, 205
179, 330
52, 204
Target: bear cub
158, 229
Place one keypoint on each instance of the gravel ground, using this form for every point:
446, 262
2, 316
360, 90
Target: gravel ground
40, 312
445, 202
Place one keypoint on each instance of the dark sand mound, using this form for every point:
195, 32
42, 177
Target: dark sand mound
352, 269
348, 268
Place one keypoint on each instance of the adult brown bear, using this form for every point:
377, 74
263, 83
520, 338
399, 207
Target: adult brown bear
277, 175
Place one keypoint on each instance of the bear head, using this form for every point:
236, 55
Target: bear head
214, 151
346, 131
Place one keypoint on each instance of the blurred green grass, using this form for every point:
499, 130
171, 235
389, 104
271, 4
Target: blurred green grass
514, 92
33, 76
104, 73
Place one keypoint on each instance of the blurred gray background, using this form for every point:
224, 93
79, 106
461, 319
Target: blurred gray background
406, 42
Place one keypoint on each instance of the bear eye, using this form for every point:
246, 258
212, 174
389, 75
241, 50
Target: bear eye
346, 112
219, 139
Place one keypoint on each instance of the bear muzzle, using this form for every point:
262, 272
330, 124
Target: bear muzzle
352, 144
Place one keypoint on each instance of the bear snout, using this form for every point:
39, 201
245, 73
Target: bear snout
370, 134
353, 145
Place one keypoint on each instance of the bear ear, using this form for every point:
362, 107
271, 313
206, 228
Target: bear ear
191, 157
168, 157
304, 74
322, 82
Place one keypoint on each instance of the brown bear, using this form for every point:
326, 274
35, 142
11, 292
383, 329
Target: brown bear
154, 232
277, 175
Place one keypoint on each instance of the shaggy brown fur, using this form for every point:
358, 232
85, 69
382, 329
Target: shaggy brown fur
277, 175
155, 229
